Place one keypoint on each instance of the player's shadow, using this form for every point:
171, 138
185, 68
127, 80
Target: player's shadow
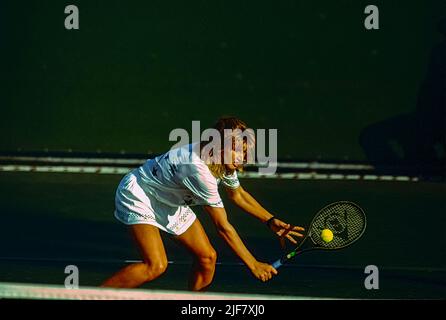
414, 142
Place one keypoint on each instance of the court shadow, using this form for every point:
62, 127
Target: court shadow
414, 142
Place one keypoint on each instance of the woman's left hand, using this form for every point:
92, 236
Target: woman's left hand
285, 230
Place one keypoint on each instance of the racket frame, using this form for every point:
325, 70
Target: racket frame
295, 252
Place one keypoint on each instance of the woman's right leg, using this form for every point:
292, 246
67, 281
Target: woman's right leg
205, 257
150, 244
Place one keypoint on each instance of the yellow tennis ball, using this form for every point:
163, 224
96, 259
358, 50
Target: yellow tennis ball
327, 235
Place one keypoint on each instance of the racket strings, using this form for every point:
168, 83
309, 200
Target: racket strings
344, 219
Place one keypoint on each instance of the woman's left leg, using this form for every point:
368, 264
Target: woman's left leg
150, 244
205, 257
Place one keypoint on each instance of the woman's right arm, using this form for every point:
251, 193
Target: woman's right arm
260, 270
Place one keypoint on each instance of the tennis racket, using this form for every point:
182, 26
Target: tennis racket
345, 219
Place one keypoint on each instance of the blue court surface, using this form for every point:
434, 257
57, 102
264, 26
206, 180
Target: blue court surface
50, 221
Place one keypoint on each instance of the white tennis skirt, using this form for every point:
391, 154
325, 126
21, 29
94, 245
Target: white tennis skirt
134, 206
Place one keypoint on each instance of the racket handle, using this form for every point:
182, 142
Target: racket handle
277, 264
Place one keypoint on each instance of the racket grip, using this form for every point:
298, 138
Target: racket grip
277, 264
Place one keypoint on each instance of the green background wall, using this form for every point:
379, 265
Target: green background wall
137, 69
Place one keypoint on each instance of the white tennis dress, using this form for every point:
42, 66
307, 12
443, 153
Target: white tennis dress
161, 191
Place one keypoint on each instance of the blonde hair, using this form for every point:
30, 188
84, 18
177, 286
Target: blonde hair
218, 170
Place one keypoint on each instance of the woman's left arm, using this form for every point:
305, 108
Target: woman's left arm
250, 205
247, 203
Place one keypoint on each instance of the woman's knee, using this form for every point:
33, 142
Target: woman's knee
155, 268
208, 259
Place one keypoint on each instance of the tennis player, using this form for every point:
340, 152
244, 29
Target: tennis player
158, 196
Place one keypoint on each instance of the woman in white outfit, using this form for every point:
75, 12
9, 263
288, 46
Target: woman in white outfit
158, 196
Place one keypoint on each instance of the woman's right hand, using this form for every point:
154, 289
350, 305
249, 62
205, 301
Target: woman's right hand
263, 271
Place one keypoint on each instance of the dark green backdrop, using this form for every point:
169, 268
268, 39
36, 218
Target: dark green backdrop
137, 69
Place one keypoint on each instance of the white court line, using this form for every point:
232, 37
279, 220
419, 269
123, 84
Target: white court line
248, 175
112, 161
227, 264
53, 292
76, 160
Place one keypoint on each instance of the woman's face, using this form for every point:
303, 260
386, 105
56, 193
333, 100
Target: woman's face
237, 158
